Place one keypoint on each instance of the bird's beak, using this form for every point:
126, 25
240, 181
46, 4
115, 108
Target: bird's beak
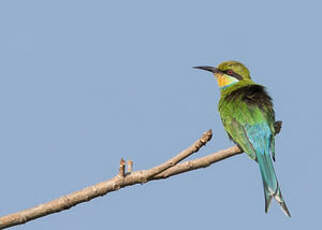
208, 68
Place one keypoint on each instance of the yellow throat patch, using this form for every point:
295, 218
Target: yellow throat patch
225, 80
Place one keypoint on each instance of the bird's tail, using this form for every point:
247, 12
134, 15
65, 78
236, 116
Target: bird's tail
271, 186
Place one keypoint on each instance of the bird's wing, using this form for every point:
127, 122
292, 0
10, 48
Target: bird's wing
249, 121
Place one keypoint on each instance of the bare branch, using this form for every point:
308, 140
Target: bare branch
184, 154
202, 162
123, 179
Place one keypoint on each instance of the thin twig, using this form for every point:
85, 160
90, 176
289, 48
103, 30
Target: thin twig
181, 156
202, 162
122, 168
165, 170
129, 166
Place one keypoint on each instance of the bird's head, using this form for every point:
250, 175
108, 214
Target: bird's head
228, 73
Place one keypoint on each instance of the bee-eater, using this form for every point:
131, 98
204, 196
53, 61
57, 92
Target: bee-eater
246, 111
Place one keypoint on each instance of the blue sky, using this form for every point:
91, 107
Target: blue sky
84, 83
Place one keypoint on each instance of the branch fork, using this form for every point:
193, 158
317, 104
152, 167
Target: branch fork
122, 179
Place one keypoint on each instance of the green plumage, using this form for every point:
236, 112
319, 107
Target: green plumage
247, 114
238, 108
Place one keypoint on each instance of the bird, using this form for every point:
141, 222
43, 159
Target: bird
247, 114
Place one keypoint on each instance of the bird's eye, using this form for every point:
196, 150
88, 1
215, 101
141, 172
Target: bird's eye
230, 72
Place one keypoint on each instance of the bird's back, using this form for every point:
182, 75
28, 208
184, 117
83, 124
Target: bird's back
247, 107
248, 117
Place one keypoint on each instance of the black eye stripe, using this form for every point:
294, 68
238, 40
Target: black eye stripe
233, 74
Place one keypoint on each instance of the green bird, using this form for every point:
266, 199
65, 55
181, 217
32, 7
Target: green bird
247, 113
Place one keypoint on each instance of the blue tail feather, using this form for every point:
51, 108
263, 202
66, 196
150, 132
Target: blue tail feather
260, 137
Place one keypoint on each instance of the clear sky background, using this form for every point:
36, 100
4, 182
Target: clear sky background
84, 83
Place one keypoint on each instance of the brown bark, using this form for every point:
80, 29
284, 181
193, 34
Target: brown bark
169, 168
